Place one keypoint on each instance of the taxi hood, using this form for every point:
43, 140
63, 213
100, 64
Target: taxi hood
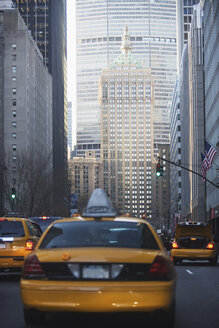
197, 229
99, 205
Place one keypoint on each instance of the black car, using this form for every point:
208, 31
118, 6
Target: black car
45, 221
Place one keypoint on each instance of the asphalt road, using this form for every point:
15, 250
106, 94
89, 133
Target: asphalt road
197, 303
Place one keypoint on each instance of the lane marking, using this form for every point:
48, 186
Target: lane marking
190, 272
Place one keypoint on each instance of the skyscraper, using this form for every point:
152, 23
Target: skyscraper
69, 128
184, 18
26, 120
126, 111
99, 26
211, 54
46, 19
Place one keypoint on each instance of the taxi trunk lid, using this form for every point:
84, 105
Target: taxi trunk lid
193, 230
97, 254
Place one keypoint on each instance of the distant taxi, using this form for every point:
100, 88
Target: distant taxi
18, 237
194, 241
99, 263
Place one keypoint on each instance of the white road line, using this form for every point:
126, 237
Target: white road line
190, 272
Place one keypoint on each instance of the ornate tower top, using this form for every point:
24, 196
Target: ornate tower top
126, 43
126, 59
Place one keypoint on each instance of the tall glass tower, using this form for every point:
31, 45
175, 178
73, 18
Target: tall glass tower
99, 26
184, 12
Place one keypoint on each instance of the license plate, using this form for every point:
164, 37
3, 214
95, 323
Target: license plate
95, 271
2, 245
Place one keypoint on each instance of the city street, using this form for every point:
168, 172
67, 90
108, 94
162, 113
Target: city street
197, 302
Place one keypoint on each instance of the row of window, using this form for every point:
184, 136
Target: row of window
14, 102
132, 38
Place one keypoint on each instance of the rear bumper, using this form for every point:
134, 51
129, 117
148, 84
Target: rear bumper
194, 254
101, 297
11, 262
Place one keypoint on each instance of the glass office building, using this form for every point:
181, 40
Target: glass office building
184, 12
99, 26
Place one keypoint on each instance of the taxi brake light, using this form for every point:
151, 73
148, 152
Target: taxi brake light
32, 267
160, 269
210, 246
29, 246
174, 244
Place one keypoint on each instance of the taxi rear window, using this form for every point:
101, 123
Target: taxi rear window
11, 229
99, 234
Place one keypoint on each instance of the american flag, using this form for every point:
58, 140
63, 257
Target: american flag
204, 166
210, 152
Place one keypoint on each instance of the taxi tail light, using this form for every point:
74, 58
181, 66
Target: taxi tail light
29, 245
32, 267
175, 245
160, 269
210, 246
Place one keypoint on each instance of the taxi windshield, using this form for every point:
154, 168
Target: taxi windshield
99, 234
11, 229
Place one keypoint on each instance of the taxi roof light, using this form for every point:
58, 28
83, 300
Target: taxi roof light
99, 205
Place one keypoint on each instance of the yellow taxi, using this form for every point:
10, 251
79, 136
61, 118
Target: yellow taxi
18, 237
194, 241
99, 262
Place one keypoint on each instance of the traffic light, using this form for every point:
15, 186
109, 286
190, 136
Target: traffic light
13, 193
159, 170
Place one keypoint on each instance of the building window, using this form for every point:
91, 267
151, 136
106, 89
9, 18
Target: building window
14, 47
14, 91
14, 79
14, 124
14, 69
14, 102
14, 147
14, 135
14, 113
